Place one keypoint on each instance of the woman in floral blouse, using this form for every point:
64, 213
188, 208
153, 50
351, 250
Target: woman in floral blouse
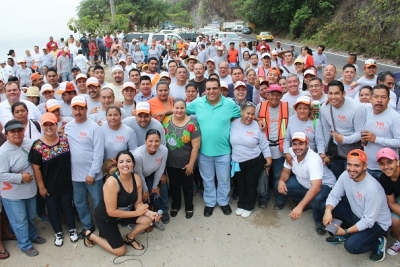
182, 135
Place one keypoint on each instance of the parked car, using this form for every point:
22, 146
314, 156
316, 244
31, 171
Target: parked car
191, 35
150, 36
267, 35
246, 30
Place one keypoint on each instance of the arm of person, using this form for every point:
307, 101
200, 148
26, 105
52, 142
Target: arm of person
256, 96
132, 143
160, 171
193, 156
139, 171
310, 195
39, 180
333, 199
5, 174
372, 206
284, 176
320, 139
98, 154
359, 124
393, 205
110, 195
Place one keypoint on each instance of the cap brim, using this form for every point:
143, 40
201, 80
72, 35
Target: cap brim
48, 120
59, 92
300, 139
78, 104
143, 111
15, 126
92, 84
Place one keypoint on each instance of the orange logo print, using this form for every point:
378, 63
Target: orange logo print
380, 125
342, 118
82, 134
158, 160
7, 186
359, 196
248, 133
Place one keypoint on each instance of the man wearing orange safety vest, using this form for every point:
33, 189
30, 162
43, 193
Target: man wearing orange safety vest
273, 117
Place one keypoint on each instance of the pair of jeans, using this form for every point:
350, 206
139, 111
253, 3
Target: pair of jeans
179, 181
360, 242
85, 52
155, 199
81, 190
375, 173
103, 55
62, 202
209, 166
338, 166
21, 214
275, 173
247, 180
296, 191
66, 76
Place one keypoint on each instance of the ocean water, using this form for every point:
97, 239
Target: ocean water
21, 44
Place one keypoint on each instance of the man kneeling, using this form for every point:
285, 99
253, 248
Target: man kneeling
365, 211
307, 181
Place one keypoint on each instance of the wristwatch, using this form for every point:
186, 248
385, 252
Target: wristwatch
346, 231
267, 166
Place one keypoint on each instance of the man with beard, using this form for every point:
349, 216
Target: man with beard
364, 211
308, 181
107, 99
152, 72
93, 102
210, 68
117, 74
388, 161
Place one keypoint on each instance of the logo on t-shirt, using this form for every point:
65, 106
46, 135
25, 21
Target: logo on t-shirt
309, 130
83, 135
158, 160
120, 138
249, 133
380, 125
359, 196
342, 118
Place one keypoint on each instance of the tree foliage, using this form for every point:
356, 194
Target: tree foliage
94, 16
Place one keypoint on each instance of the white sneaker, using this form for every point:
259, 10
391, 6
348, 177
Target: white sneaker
239, 211
246, 213
159, 225
73, 235
394, 249
59, 239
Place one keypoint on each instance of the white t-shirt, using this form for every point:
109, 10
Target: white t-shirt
292, 99
6, 115
177, 91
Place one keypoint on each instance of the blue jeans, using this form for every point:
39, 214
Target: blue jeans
375, 173
66, 76
155, 199
21, 214
220, 165
297, 192
275, 172
338, 166
360, 242
85, 52
81, 190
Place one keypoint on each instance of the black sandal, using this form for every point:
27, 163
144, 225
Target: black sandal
4, 254
90, 243
129, 241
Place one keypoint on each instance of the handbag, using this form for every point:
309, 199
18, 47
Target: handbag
340, 150
262, 186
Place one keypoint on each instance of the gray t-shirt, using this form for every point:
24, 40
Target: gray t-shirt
179, 141
115, 141
141, 131
177, 91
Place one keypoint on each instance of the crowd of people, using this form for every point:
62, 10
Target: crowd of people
215, 123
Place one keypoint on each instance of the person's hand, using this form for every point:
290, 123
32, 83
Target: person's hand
337, 136
142, 209
247, 66
154, 216
27, 177
89, 179
340, 230
327, 218
289, 159
100, 123
188, 169
156, 190
267, 170
118, 104
353, 85
367, 136
296, 213
282, 187
146, 196
261, 123
320, 67
160, 115
61, 129
94, 110
163, 179
257, 84
43, 192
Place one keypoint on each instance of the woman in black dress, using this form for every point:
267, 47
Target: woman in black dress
122, 203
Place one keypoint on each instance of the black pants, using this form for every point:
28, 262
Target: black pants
177, 180
61, 202
103, 55
247, 180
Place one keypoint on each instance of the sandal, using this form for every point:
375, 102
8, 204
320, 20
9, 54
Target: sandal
88, 242
129, 241
4, 254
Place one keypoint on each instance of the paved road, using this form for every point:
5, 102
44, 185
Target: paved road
338, 60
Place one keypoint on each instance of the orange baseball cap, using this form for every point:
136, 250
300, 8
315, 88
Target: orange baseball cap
49, 117
66, 87
357, 154
36, 76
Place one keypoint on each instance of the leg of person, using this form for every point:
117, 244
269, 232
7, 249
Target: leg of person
277, 166
164, 201
68, 211
338, 166
343, 212
364, 241
53, 204
82, 205
31, 214
175, 183
252, 172
64, 76
69, 78
142, 223
6, 232
223, 170
41, 208
375, 173
207, 172
96, 191
395, 248
187, 188
16, 211
294, 189
103, 55
3, 251
241, 186
318, 205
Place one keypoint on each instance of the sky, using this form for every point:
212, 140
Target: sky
36, 18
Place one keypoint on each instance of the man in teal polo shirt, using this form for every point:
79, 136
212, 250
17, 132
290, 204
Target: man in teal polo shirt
214, 114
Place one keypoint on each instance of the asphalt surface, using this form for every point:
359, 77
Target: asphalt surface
333, 58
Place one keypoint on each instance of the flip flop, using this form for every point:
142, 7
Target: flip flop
4, 254
14, 238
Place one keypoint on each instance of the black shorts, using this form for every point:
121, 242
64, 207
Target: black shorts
109, 230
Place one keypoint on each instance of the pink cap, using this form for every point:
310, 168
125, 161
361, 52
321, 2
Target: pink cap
387, 153
240, 84
275, 87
